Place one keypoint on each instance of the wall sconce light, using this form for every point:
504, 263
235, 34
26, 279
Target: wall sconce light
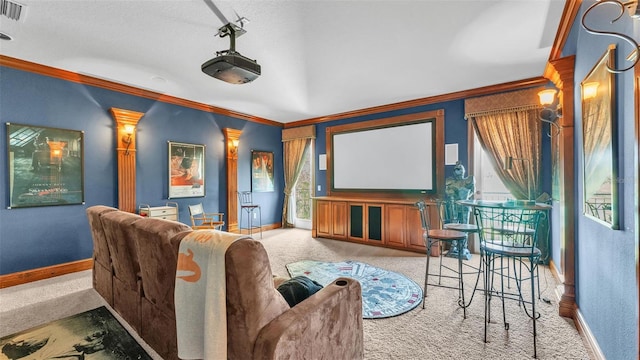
590, 90
233, 147
549, 114
128, 132
547, 96
508, 165
634, 13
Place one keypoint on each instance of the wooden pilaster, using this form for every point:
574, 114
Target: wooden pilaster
126, 122
560, 72
232, 138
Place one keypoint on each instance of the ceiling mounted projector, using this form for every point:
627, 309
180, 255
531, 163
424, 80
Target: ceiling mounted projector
232, 68
230, 65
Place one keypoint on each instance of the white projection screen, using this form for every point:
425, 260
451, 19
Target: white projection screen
400, 157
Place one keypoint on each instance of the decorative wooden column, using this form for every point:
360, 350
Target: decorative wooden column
126, 122
560, 72
232, 139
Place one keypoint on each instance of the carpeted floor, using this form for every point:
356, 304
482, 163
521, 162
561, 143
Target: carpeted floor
437, 332
384, 293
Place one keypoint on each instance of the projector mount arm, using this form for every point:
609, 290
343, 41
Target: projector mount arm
229, 29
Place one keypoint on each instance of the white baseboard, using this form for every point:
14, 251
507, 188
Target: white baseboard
578, 319
592, 344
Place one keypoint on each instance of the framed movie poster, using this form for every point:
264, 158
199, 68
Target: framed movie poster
186, 170
45, 166
261, 171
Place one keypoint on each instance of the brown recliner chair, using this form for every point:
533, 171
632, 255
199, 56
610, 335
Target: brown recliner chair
127, 287
102, 268
158, 256
260, 323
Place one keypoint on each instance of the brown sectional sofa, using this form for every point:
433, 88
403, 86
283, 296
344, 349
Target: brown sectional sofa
134, 269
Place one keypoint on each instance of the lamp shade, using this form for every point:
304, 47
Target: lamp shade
129, 129
590, 90
547, 96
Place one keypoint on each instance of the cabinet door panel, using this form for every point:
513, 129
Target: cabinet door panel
324, 219
414, 229
339, 210
395, 224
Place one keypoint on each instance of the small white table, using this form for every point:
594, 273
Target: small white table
167, 212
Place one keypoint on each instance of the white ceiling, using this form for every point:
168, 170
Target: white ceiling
318, 57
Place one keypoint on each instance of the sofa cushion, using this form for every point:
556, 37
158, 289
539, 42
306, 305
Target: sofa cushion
297, 289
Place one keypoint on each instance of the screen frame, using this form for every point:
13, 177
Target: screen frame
437, 119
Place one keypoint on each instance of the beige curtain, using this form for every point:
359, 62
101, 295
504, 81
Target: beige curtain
508, 124
296, 143
515, 134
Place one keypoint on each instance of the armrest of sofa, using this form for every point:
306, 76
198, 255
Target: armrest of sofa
327, 325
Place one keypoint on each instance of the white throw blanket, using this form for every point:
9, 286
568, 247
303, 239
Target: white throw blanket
200, 294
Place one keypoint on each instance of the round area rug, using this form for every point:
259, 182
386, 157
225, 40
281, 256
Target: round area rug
384, 293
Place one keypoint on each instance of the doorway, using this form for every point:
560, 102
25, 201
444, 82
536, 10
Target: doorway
302, 193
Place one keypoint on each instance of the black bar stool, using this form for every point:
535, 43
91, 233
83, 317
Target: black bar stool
442, 235
247, 205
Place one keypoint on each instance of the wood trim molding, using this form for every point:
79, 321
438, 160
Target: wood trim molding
231, 135
438, 115
571, 8
126, 150
126, 89
48, 272
555, 272
487, 90
27, 276
560, 72
130, 90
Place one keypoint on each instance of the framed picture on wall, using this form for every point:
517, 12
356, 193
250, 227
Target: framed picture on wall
45, 166
186, 170
599, 142
261, 171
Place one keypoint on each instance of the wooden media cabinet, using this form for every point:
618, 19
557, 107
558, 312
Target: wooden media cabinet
393, 223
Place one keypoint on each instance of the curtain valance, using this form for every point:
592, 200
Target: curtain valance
508, 102
301, 132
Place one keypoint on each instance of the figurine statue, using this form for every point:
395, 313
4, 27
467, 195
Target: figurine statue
458, 188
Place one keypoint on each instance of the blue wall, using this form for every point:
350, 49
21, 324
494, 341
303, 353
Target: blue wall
44, 236
605, 258
455, 132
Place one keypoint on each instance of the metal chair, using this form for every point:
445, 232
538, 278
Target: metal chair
432, 236
247, 205
203, 220
454, 216
509, 235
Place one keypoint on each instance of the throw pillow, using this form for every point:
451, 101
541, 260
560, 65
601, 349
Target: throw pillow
297, 289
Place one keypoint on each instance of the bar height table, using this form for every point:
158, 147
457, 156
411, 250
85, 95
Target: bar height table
509, 230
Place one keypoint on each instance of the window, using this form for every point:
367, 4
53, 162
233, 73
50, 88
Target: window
488, 184
302, 194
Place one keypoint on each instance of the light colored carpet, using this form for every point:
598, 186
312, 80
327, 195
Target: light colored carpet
437, 332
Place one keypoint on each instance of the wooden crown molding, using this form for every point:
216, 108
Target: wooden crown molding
569, 14
487, 90
571, 8
126, 89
